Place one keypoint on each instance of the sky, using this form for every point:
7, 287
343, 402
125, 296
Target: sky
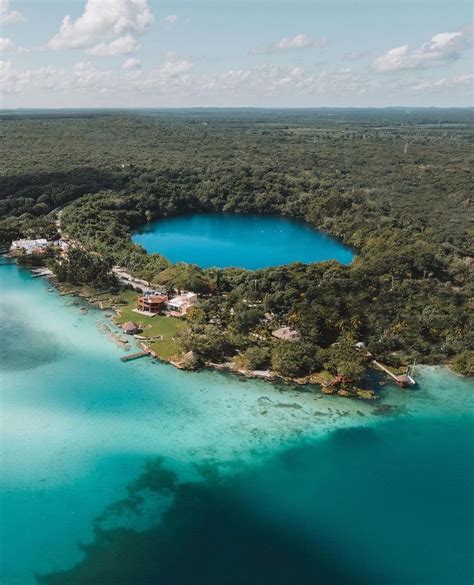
235, 53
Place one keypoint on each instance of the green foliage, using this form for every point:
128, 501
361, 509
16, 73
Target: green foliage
464, 363
33, 260
184, 277
256, 357
246, 318
84, 267
206, 341
345, 172
343, 359
295, 359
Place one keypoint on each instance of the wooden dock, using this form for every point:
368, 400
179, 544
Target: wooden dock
403, 380
134, 356
39, 272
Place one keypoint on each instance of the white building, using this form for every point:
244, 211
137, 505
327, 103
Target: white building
29, 246
182, 303
61, 244
37, 246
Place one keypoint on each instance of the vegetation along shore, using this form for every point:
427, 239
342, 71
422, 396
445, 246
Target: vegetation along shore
393, 185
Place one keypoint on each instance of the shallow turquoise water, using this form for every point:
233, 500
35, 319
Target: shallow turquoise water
244, 241
270, 485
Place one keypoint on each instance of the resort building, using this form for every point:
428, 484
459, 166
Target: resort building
182, 303
286, 334
29, 246
38, 246
152, 303
62, 244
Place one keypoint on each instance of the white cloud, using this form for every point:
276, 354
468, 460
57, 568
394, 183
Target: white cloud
102, 22
299, 41
442, 48
173, 76
86, 78
20, 81
175, 82
466, 80
9, 16
131, 63
121, 46
175, 65
170, 19
5, 45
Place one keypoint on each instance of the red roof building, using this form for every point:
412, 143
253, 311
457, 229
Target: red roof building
152, 303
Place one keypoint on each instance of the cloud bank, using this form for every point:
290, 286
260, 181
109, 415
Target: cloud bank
441, 49
106, 27
296, 42
9, 16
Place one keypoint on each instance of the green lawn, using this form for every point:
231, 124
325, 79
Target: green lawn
152, 326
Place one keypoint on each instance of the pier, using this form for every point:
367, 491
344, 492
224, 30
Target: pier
134, 356
39, 272
403, 380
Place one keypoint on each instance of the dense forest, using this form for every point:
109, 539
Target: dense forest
393, 184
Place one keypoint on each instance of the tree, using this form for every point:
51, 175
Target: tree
206, 341
294, 359
83, 267
464, 363
343, 359
256, 357
245, 318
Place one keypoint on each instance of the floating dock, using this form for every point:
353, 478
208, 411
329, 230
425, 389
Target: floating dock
134, 356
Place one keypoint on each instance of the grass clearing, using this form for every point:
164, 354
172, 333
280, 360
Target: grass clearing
151, 327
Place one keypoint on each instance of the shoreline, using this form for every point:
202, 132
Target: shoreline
310, 382
90, 296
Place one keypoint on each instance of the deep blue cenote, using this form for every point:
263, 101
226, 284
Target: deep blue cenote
244, 241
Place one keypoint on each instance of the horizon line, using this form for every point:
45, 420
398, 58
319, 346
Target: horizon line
401, 107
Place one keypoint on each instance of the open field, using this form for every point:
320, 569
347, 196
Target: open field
152, 326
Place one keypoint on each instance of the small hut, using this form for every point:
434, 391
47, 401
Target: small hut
130, 328
286, 334
405, 380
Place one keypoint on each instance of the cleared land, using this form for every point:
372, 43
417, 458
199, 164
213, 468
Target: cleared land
152, 327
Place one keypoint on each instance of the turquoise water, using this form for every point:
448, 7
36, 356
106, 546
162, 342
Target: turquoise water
249, 483
244, 241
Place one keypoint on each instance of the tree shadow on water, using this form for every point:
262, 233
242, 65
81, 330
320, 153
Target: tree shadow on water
209, 537
26, 347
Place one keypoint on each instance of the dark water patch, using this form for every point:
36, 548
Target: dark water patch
363, 506
357, 437
155, 478
147, 500
24, 346
389, 410
288, 405
207, 537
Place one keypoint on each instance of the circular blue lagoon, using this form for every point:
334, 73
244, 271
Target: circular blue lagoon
244, 241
